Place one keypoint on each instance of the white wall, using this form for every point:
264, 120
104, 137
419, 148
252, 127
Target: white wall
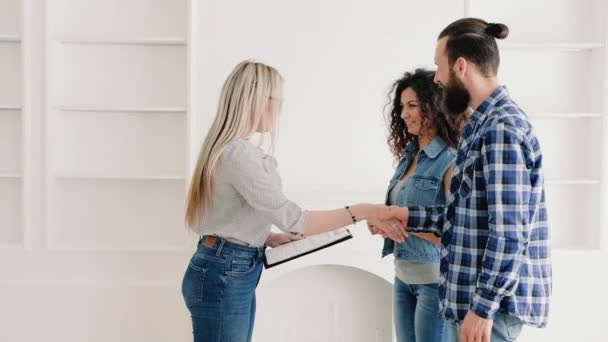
339, 60
77, 262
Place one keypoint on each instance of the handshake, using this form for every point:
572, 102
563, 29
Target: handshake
389, 222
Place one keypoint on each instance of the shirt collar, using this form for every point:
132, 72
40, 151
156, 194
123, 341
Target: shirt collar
435, 147
488, 104
432, 150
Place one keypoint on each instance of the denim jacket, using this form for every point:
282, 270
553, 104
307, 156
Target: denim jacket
423, 188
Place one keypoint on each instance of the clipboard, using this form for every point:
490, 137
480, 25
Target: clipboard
296, 249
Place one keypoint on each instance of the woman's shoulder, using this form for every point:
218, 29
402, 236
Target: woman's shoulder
446, 156
450, 152
237, 147
244, 152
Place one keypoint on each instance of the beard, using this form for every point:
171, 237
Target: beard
455, 97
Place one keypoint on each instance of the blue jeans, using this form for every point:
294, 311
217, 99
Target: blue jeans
417, 313
506, 328
219, 290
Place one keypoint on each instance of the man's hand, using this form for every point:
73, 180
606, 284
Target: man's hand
277, 239
475, 328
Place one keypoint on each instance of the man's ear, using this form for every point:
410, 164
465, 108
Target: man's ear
460, 67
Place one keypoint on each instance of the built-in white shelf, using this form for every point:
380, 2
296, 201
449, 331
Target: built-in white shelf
565, 47
10, 175
121, 110
159, 41
10, 107
565, 116
12, 247
66, 176
9, 39
573, 182
112, 249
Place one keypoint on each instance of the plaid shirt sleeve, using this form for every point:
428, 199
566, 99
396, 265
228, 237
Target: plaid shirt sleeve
426, 219
506, 157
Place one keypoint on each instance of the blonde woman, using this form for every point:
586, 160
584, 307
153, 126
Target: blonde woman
235, 197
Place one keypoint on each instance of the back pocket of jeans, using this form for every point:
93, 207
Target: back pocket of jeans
192, 285
241, 266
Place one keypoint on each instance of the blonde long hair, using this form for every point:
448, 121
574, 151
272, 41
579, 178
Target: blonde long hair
244, 102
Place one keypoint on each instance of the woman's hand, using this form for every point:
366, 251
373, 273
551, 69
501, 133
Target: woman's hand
385, 225
394, 212
374, 230
277, 239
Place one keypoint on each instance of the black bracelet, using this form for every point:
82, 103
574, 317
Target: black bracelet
351, 214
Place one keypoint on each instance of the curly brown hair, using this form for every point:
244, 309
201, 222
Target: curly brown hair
429, 96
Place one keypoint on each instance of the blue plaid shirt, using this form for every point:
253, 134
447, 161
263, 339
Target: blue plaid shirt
494, 229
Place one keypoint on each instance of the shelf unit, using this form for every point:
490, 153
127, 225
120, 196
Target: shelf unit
101, 109
9, 39
7, 175
10, 107
162, 41
561, 83
116, 137
12, 229
118, 177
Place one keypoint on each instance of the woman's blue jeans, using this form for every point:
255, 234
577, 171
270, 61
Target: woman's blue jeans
219, 290
416, 313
